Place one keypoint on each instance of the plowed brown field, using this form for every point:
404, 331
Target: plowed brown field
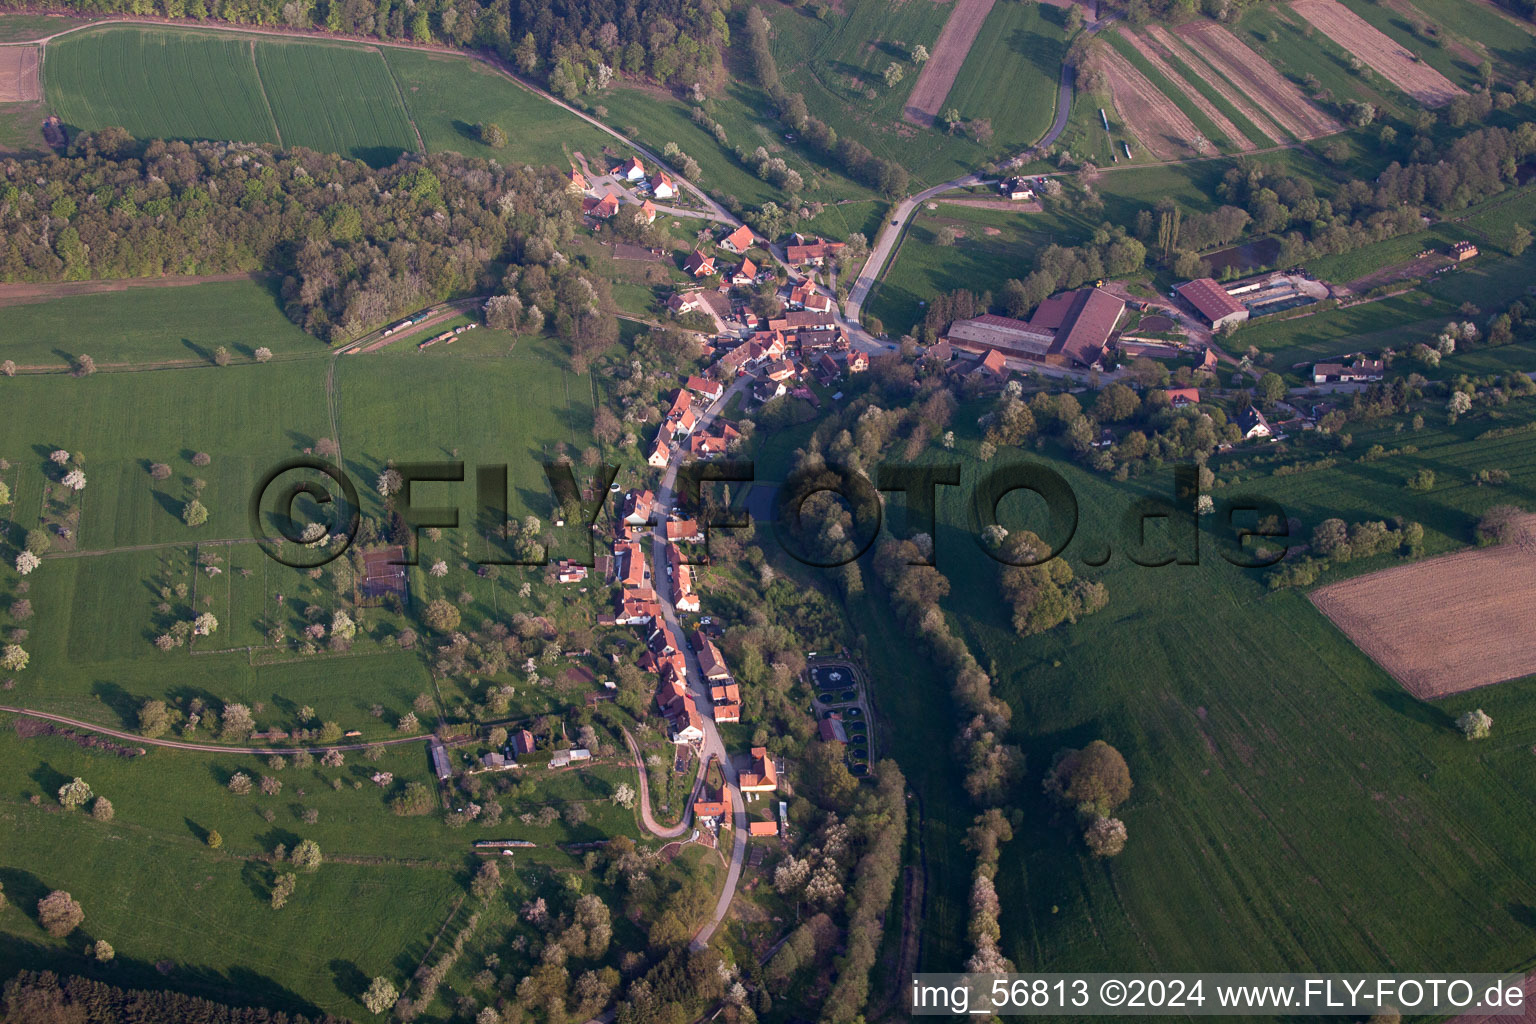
18, 75
1235, 139
1448, 624
938, 75
1394, 63
1225, 89
1155, 119
1252, 74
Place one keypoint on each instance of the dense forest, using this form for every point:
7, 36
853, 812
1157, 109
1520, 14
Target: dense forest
572, 44
355, 246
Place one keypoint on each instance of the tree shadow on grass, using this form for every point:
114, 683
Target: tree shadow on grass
1406, 704
48, 779
348, 977
123, 704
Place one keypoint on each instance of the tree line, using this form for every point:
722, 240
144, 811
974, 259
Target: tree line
44, 997
355, 246
573, 46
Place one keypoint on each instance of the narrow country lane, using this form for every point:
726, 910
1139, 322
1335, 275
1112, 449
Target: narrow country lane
204, 748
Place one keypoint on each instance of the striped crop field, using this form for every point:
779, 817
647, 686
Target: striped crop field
185, 84
335, 99
158, 83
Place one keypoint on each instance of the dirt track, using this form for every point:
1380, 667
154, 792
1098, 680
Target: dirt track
1235, 139
1153, 118
25, 292
1394, 63
1252, 74
938, 75
18, 75
1447, 624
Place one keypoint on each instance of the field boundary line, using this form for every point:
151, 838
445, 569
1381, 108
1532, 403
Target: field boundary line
421, 144
261, 87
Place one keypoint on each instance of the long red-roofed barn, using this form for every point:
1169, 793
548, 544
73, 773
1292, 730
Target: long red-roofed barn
1068, 329
1212, 302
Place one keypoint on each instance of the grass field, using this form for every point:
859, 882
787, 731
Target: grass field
386, 887
1292, 806
141, 327
364, 102
17, 28
839, 63
448, 96
360, 112
159, 83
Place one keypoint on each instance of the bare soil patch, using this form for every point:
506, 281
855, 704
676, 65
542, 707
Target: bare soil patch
1173, 45
1448, 624
23, 293
1235, 139
939, 73
997, 204
1252, 74
18, 75
1153, 118
1420, 266
1394, 63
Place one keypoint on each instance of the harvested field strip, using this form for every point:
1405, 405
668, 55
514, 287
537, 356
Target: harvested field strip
1155, 119
1251, 73
18, 75
1181, 89
1447, 624
1384, 55
1201, 70
943, 67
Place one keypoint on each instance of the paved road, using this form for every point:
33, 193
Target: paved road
885, 242
646, 818
712, 746
205, 748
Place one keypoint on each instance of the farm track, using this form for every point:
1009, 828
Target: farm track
1235, 138
202, 748
266, 100
1255, 76
1378, 50
949, 52
1227, 90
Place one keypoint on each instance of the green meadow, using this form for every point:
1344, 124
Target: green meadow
1293, 806
369, 103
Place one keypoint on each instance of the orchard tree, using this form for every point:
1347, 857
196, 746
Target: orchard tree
893, 74
14, 658
102, 952
263, 354
75, 794
1105, 836
205, 625
1095, 778
919, 54
154, 719
492, 135
442, 616
1474, 725
389, 482
194, 513
59, 913
306, 855
381, 995
102, 810
237, 722
75, 479
26, 562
